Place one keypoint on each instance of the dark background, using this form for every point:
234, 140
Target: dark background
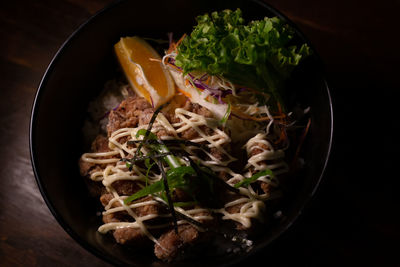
353, 220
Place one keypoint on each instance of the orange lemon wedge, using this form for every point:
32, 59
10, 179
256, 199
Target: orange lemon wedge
143, 69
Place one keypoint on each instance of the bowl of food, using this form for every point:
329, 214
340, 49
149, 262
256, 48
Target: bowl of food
164, 139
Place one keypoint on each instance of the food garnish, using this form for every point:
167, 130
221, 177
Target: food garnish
142, 68
175, 164
223, 53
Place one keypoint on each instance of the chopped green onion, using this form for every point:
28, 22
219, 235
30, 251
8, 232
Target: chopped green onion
148, 132
176, 178
169, 200
226, 116
148, 190
160, 147
247, 181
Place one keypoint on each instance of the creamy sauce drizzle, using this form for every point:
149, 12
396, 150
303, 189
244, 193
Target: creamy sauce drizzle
252, 203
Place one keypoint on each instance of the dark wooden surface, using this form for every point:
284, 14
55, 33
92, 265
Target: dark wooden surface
354, 218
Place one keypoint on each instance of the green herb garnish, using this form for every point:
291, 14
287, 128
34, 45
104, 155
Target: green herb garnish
247, 181
226, 116
176, 178
159, 147
260, 55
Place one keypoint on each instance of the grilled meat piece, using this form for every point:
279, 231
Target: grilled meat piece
170, 243
126, 114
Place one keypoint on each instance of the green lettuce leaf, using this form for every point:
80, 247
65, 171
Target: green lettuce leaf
259, 54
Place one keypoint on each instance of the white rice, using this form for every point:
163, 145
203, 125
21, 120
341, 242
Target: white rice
96, 123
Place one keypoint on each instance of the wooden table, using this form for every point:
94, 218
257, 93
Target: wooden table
353, 218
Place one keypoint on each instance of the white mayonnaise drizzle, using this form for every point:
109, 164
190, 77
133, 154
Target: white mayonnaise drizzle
259, 161
250, 204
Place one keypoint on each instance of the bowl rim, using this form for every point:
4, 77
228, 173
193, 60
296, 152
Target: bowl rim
34, 110
36, 104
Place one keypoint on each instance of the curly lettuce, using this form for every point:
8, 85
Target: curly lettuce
259, 54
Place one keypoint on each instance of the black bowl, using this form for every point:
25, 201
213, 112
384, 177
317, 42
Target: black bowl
78, 72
